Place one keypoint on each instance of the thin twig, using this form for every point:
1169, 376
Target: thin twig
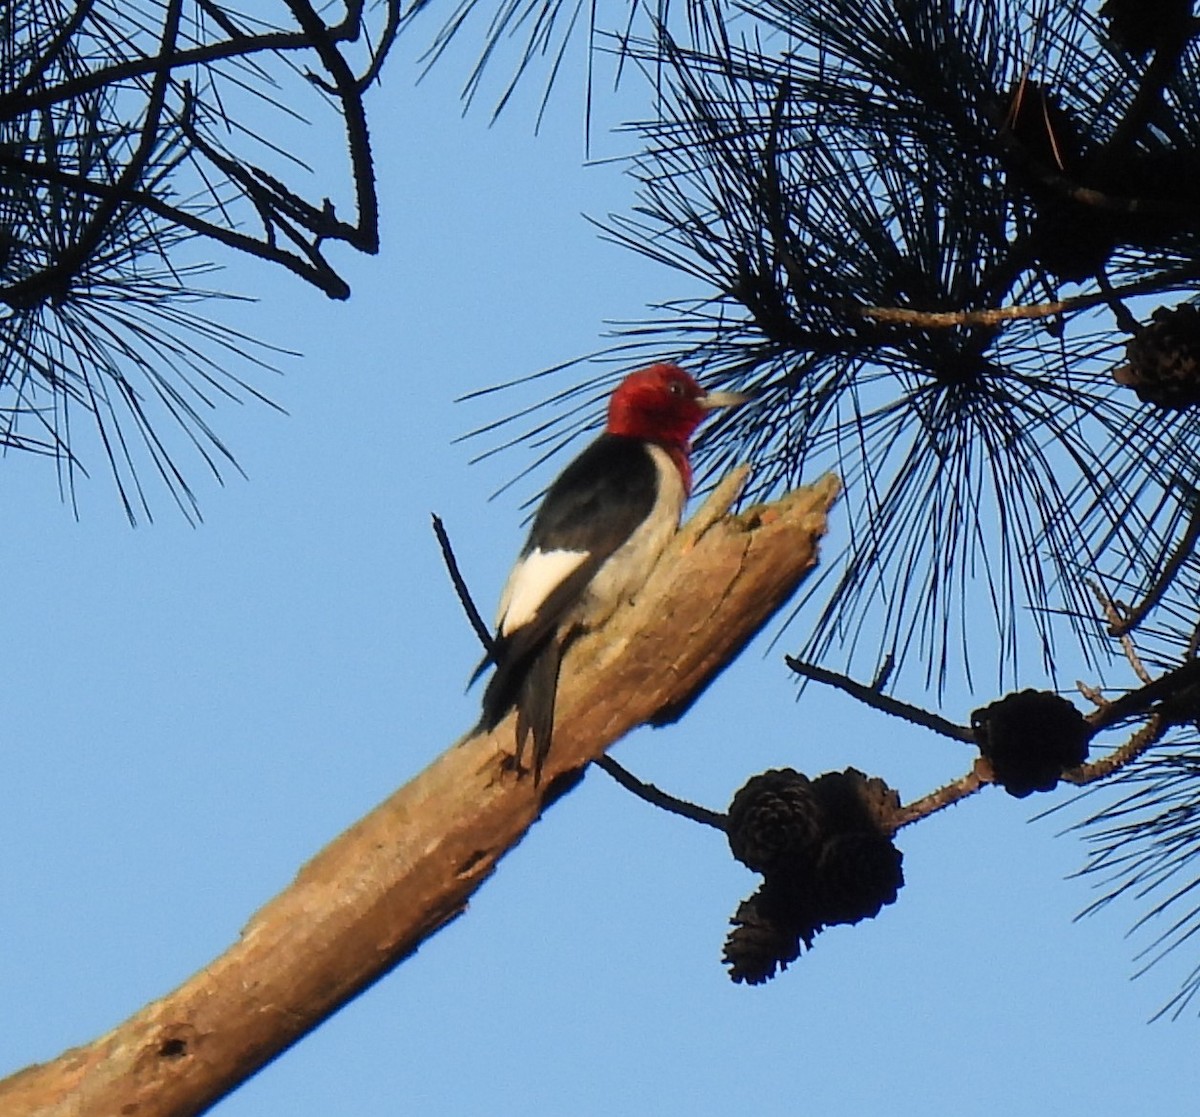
460, 587
1151, 732
872, 697
1183, 550
1115, 621
967, 784
1092, 693
1121, 313
988, 316
658, 798
996, 315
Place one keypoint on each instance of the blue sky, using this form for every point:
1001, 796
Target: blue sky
192, 712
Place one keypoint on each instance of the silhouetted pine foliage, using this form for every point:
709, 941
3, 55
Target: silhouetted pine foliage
532, 39
130, 133
1145, 844
950, 247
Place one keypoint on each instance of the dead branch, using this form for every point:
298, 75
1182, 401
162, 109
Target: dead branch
371, 897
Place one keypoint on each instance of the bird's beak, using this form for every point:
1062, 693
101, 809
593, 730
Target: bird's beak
712, 400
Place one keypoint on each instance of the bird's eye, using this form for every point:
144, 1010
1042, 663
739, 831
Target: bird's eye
675, 388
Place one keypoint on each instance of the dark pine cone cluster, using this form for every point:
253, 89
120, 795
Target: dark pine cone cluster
1030, 738
1141, 26
1163, 359
826, 855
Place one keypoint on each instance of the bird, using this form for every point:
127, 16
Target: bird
596, 536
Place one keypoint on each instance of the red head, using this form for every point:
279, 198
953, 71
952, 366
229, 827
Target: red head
663, 404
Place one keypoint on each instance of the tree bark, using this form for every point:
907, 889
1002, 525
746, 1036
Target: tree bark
372, 896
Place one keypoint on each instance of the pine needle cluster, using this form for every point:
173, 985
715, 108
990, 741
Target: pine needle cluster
131, 135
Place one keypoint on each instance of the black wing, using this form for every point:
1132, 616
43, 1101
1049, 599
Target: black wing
595, 505
612, 485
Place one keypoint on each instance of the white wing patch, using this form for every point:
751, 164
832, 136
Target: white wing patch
530, 583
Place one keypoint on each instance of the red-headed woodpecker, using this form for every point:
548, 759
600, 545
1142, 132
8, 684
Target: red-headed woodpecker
598, 533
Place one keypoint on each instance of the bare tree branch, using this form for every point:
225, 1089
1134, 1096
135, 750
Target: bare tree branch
1173, 696
376, 893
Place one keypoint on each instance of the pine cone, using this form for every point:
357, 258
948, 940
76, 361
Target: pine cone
774, 820
1071, 241
851, 801
855, 869
1030, 738
759, 945
1045, 131
857, 874
1163, 358
826, 855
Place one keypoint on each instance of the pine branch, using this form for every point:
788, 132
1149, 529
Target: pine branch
977, 778
126, 137
1183, 277
656, 797
874, 697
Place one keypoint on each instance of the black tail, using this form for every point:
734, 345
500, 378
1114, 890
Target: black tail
500, 694
529, 682
535, 707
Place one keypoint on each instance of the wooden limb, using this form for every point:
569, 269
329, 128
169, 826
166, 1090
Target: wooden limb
1122, 626
372, 896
